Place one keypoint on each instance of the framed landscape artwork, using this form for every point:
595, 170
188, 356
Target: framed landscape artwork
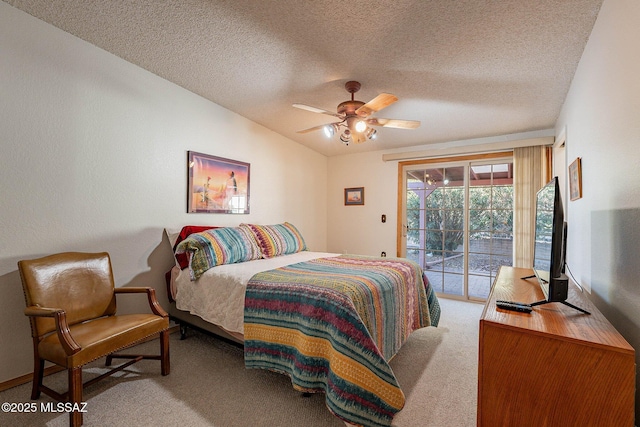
575, 179
217, 185
354, 196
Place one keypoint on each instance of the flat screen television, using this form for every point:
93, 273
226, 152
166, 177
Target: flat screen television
550, 245
548, 252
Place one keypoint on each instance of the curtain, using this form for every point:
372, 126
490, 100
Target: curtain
548, 164
531, 172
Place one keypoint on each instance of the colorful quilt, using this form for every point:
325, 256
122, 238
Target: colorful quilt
332, 325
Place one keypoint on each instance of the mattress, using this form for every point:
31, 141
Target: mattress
218, 295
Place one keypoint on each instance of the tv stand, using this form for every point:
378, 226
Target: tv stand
560, 292
544, 301
553, 366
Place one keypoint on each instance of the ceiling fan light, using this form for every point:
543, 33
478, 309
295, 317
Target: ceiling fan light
329, 131
345, 137
361, 126
371, 133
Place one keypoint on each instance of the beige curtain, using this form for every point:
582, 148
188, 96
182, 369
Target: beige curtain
531, 172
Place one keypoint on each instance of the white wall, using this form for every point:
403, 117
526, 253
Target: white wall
94, 159
358, 229
601, 116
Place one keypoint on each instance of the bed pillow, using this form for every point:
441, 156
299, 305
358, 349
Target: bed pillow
225, 245
280, 239
182, 259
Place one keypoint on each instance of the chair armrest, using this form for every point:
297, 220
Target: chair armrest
37, 311
69, 345
151, 296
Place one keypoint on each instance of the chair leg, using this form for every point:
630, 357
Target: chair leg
38, 372
75, 395
165, 363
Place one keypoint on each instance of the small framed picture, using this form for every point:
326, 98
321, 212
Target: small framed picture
354, 196
575, 179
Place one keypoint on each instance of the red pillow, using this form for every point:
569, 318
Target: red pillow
183, 260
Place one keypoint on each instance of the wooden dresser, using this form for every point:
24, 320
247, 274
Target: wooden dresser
554, 366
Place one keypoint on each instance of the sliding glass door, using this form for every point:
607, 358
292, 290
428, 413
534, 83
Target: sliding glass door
458, 223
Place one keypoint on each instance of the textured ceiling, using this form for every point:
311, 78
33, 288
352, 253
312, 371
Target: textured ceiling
465, 69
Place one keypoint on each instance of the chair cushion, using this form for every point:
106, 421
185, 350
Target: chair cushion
102, 336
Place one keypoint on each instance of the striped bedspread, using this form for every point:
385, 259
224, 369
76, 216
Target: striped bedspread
332, 325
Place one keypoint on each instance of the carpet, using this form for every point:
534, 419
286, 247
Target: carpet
209, 386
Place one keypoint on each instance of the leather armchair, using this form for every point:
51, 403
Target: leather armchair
71, 304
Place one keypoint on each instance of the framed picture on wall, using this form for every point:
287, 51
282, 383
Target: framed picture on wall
354, 196
575, 179
217, 185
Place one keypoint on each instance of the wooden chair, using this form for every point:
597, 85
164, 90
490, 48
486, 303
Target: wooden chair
71, 304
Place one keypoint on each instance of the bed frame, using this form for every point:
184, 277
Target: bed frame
186, 320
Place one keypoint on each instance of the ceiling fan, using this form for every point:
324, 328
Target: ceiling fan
355, 120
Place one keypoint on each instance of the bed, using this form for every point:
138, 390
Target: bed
331, 322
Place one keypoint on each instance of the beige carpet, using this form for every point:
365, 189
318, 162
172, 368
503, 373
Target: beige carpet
209, 386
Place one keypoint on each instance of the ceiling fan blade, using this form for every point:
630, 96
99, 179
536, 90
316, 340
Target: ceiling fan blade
311, 129
317, 127
376, 104
316, 110
394, 123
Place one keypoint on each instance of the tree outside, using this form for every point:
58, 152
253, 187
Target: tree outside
438, 221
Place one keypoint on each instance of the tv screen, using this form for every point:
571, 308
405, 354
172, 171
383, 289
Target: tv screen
548, 255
